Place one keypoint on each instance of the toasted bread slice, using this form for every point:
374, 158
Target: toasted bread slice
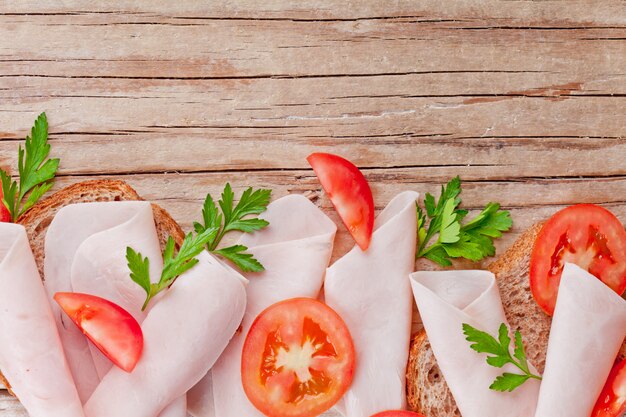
37, 219
427, 391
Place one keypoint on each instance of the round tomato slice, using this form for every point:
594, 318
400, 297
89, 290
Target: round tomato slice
612, 399
5, 216
298, 359
585, 234
397, 413
111, 328
349, 192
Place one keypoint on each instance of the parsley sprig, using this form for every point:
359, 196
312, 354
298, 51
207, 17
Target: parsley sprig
472, 240
483, 342
36, 172
216, 225
235, 218
174, 265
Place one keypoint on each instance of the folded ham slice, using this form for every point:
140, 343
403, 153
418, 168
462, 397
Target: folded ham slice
295, 250
184, 334
31, 355
587, 331
446, 300
79, 224
99, 265
371, 291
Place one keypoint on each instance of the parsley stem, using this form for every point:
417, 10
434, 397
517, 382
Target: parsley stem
217, 239
525, 370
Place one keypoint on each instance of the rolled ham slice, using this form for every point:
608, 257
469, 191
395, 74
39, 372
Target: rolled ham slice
99, 267
81, 223
31, 354
184, 334
588, 328
446, 300
371, 291
295, 250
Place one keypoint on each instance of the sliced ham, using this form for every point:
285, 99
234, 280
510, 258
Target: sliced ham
72, 226
371, 291
446, 300
295, 250
184, 334
99, 266
588, 328
31, 354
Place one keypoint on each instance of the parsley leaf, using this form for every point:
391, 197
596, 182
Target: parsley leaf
472, 240
237, 255
483, 342
235, 218
36, 172
174, 265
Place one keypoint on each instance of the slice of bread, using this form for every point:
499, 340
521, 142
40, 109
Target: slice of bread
427, 391
38, 218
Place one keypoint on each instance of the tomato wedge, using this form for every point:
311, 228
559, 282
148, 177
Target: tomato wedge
5, 216
349, 192
111, 328
585, 234
298, 359
612, 399
397, 413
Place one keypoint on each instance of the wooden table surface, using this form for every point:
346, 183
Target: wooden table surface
525, 100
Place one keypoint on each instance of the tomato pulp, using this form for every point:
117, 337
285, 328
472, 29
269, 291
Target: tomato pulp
298, 359
612, 399
349, 192
585, 234
111, 328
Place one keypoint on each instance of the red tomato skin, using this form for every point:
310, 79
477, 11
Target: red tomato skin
398, 413
250, 360
349, 192
5, 216
109, 327
545, 289
612, 399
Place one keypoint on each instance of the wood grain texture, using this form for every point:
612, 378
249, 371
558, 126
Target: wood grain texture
526, 100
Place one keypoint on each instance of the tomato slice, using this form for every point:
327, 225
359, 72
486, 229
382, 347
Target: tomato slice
298, 359
349, 192
612, 399
5, 216
585, 234
111, 328
398, 413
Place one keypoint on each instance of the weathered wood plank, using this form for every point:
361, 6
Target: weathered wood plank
202, 150
581, 12
10, 406
268, 48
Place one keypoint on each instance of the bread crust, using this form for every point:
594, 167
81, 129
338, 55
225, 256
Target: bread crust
38, 218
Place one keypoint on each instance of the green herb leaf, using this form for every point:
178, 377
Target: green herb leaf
508, 382
235, 218
450, 227
483, 342
244, 261
139, 268
36, 172
174, 265
519, 353
438, 255
472, 240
